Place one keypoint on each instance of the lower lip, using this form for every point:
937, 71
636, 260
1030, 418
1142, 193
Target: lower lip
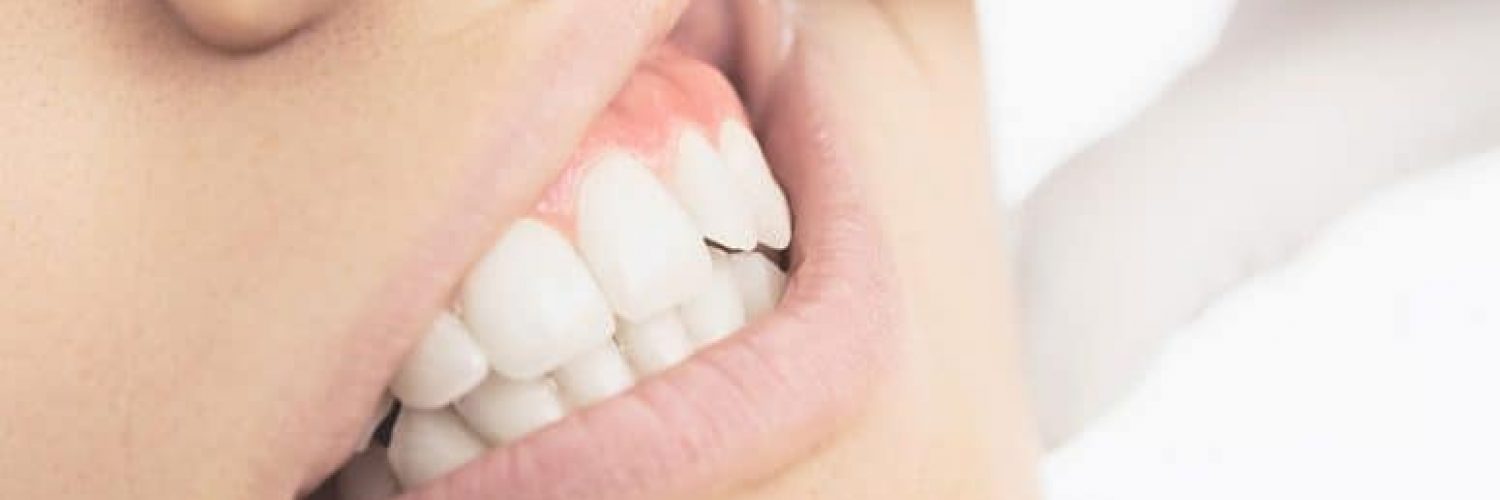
747, 406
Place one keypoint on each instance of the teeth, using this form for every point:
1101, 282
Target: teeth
709, 191
536, 333
367, 476
656, 344
382, 408
718, 311
427, 444
760, 282
504, 410
594, 377
643, 248
532, 303
743, 155
443, 367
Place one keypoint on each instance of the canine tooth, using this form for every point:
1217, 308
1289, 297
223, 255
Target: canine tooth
532, 304
657, 343
367, 476
643, 248
710, 193
595, 376
382, 408
445, 365
744, 157
504, 410
760, 282
718, 311
427, 444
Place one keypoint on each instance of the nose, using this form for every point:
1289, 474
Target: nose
244, 25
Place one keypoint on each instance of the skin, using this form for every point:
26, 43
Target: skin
189, 231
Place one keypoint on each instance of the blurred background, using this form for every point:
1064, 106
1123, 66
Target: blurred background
1361, 362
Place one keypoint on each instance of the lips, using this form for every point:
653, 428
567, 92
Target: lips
754, 402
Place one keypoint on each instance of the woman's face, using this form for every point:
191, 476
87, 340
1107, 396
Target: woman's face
223, 225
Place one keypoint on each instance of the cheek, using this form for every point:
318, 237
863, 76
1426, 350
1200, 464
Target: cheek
958, 405
916, 441
198, 233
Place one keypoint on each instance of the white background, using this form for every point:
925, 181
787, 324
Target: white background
1368, 367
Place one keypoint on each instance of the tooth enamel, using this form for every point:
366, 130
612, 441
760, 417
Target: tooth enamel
656, 344
594, 377
505, 410
532, 304
427, 444
382, 408
709, 191
367, 476
760, 282
716, 312
643, 248
742, 153
444, 366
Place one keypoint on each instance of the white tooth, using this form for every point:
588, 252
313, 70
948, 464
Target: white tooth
709, 191
761, 282
716, 312
643, 248
382, 408
427, 444
594, 377
744, 157
367, 476
656, 344
505, 410
444, 366
532, 304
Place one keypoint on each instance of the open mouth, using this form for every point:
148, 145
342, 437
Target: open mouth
696, 300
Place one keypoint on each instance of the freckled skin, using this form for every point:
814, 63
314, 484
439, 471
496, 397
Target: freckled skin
188, 232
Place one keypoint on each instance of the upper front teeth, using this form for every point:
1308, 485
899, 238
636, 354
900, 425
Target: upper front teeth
563, 313
644, 249
443, 367
743, 155
711, 192
533, 304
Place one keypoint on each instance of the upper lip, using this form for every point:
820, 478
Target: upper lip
745, 407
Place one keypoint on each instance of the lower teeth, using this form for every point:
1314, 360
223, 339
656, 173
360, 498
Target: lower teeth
411, 446
547, 328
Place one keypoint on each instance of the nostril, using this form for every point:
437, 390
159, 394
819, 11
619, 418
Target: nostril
245, 25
